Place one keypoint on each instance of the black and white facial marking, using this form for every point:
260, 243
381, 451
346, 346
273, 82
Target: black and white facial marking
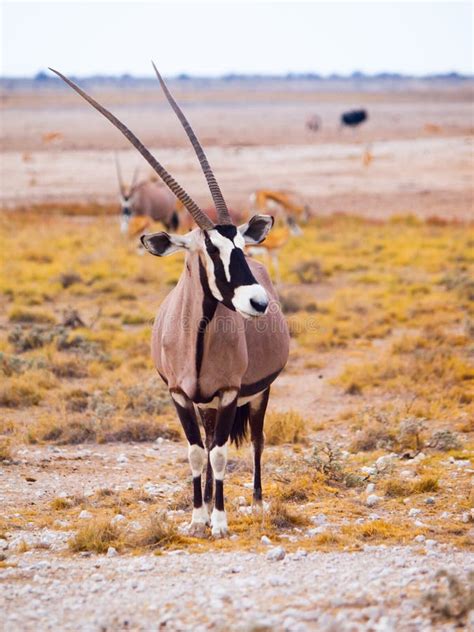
229, 276
125, 212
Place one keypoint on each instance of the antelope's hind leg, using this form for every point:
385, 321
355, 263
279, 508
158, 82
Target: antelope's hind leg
258, 407
197, 458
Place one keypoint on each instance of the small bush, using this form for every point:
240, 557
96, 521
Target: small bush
29, 316
410, 433
15, 393
69, 368
28, 339
444, 440
285, 427
5, 452
96, 536
372, 437
66, 279
309, 271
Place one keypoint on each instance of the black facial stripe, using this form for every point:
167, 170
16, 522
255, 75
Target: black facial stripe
225, 288
227, 231
239, 270
209, 305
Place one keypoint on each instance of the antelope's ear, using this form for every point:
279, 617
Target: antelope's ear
256, 230
162, 244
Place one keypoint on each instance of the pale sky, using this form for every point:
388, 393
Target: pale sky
202, 38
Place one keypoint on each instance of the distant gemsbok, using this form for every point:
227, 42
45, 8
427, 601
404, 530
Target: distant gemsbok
146, 199
219, 339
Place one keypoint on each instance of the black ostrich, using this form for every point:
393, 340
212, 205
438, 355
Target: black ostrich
353, 118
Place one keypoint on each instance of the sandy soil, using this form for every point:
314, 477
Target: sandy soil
228, 591
420, 141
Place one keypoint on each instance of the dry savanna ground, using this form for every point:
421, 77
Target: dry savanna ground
368, 470
378, 391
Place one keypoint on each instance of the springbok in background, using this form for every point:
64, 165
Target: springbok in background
288, 213
145, 202
219, 338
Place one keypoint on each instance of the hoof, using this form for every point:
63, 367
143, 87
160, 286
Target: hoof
197, 529
219, 524
219, 532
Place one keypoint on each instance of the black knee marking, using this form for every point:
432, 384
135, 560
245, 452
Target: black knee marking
219, 500
197, 489
189, 423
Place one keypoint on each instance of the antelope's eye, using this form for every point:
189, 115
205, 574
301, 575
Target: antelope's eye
211, 249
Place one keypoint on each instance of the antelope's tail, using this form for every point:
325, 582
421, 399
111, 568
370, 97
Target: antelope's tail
241, 423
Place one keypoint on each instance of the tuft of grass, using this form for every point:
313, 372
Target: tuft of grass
402, 488
139, 431
281, 517
58, 504
17, 392
31, 317
96, 536
69, 368
285, 427
374, 530
5, 450
158, 533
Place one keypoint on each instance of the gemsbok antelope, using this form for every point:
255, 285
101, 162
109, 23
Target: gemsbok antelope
146, 201
219, 338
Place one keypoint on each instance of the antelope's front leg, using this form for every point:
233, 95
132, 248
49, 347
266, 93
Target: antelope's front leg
197, 459
218, 458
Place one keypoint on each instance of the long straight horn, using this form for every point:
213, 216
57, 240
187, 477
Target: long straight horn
119, 175
221, 207
136, 171
199, 216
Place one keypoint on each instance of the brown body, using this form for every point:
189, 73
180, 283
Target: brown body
237, 354
154, 202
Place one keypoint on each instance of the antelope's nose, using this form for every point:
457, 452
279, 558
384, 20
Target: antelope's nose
259, 306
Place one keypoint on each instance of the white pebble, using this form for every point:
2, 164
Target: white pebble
85, 515
414, 512
277, 554
420, 538
370, 488
265, 540
112, 552
319, 519
372, 500
118, 518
